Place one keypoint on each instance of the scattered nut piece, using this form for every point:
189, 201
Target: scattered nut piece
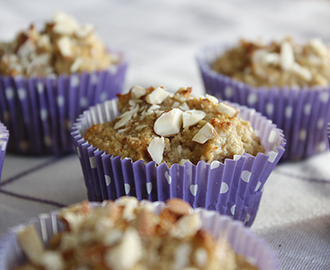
192, 117
169, 123
211, 98
206, 133
226, 109
156, 149
137, 92
157, 96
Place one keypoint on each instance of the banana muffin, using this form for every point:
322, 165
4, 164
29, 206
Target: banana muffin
279, 63
126, 235
63, 47
155, 125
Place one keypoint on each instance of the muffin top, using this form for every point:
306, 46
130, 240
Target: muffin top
155, 125
281, 64
126, 235
62, 47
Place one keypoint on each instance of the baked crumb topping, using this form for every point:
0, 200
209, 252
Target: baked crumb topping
283, 63
155, 125
127, 234
63, 47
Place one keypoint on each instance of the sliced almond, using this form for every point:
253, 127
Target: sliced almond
206, 133
65, 46
64, 24
156, 149
187, 226
178, 207
286, 56
84, 30
169, 123
137, 92
301, 72
211, 98
126, 254
192, 117
184, 107
157, 96
31, 243
125, 117
226, 109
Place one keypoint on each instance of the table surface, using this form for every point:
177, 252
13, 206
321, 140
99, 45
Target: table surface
161, 39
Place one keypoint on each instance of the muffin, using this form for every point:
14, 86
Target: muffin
49, 77
166, 145
285, 81
4, 135
127, 235
156, 126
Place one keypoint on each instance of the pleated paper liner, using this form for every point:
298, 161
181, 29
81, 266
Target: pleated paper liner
302, 114
233, 188
242, 240
39, 112
4, 136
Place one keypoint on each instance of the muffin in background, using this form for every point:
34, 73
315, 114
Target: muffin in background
285, 81
49, 77
4, 135
126, 234
220, 179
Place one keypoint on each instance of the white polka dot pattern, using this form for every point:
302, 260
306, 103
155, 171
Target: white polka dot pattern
229, 91
9, 93
92, 162
324, 97
246, 176
94, 79
107, 180
272, 156
3, 145
21, 93
127, 188
40, 88
307, 109
103, 96
215, 164
252, 99
43, 114
269, 108
60, 101
113, 69
194, 189
302, 134
149, 187
83, 102
288, 112
168, 178
258, 186
224, 188
232, 209
74, 81
320, 123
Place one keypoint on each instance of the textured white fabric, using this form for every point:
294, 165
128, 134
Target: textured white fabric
161, 39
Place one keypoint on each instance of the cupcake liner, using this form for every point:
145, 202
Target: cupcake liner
301, 114
233, 188
242, 240
4, 135
39, 112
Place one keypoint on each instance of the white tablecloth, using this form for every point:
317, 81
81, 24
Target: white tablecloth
161, 39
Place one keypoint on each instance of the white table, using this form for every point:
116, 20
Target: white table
161, 39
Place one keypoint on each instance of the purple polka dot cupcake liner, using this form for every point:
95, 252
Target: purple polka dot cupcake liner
233, 188
242, 240
301, 114
39, 112
4, 135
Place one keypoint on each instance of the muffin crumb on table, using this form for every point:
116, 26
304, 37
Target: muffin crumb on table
155, 125
127, 234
